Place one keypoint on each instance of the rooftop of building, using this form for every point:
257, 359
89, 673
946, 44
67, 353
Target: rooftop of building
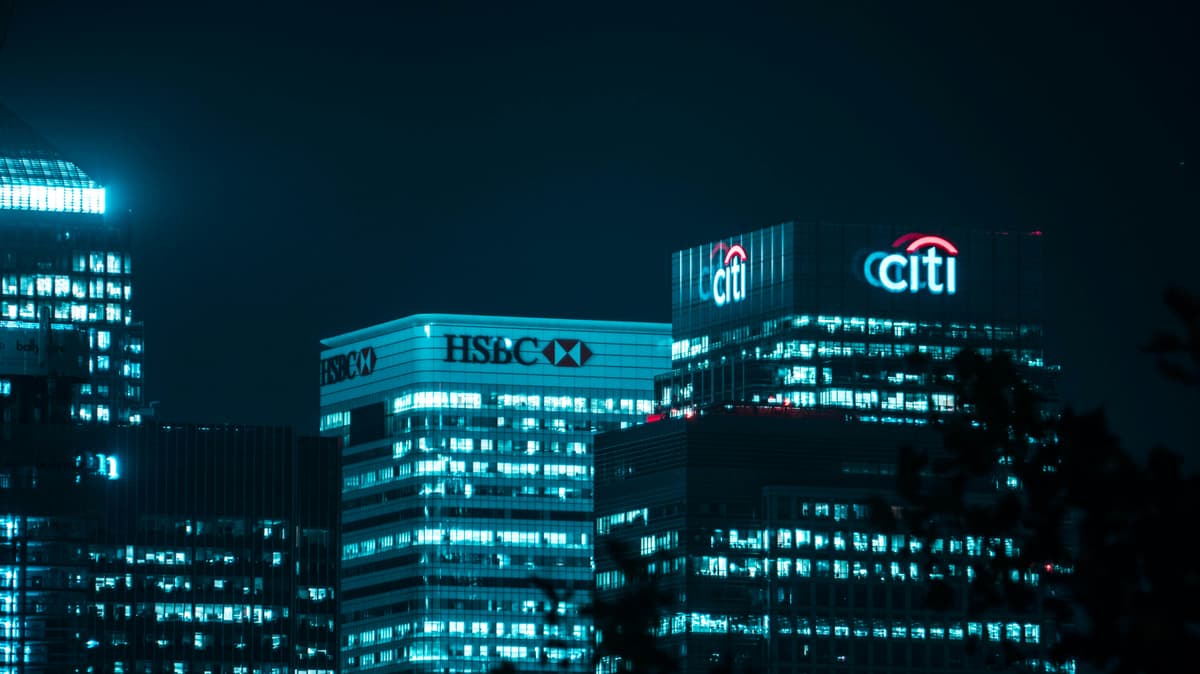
479, 321
34, 176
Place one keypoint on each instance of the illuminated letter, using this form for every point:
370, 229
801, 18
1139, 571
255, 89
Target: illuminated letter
869, 273
885, 276
951, 281
517, 350
914, 273
705, 273
720, 292
461, 347
738, 272
932, 262
352, 365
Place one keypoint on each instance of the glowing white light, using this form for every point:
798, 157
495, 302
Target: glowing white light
52, 199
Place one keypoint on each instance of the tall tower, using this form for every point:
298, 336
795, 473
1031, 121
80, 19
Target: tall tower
70, 364
467, 484
70, 350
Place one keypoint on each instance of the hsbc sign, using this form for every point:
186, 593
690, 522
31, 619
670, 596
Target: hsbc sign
481, 349
356, 363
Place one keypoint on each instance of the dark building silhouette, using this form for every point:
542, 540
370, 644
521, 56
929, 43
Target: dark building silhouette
803, 357
52, 481
759, 531
167, 548
218, 553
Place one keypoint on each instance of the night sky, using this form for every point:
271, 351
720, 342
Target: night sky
293, 172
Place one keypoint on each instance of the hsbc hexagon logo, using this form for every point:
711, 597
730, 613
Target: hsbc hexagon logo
486, 349
567, 352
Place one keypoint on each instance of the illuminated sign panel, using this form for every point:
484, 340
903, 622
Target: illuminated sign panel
724, 277
355, 363
873, 271
481, 349
733, 281
906, 269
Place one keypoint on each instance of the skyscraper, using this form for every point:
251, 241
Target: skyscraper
130, 547
467, 483
836, 318
69, 346
803, 357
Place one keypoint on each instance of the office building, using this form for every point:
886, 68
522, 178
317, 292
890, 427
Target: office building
217, 552
70, 349
850, 321
803, 357
759, 531
467, 483
52, 481
156, 548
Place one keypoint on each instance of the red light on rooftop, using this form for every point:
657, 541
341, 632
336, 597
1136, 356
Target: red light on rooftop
1036, 232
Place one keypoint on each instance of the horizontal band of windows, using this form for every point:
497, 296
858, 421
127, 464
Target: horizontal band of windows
432, 514
397, 565
350, 458
500, 490
517, 582
423, 605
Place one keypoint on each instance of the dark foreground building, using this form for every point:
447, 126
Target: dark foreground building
759, 530
168, 549
51, 490
803, 357
218, 553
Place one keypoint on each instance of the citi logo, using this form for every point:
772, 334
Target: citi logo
725, 283
356, 363
483, 349
906, 269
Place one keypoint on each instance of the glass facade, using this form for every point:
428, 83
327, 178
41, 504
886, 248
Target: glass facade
803, 356
167, 548
51, 491
817, 332
467, 483
69, 345
760, 533
218, 553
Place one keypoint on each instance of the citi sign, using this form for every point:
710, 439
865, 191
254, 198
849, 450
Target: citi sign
725, 283
356, 363
918, 262
523, 351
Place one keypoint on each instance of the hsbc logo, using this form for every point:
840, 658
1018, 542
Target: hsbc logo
567, 352
357, 363
527, 351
